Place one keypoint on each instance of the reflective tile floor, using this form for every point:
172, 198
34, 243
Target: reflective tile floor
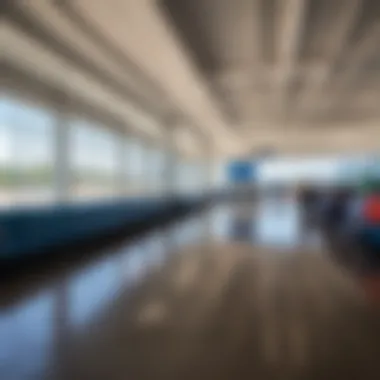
47, 331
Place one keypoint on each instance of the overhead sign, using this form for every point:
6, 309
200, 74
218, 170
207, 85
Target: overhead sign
241, 171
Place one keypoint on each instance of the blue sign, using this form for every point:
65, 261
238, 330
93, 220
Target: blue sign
241, 172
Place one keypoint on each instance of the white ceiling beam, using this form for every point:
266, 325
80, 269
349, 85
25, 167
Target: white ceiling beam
365, 49
248, 50
241, 78
358, 56
242, 26
337, 92
291, 23
340, 138
335, 44
256, 12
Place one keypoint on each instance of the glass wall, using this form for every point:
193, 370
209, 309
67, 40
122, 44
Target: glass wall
94, 160
191, 176
146, 168
26, 153
155, 163
323, 169
135, 166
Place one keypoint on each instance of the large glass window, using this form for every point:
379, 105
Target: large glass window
94, 165
186, 180
295, 169
198, 173
148, 169
135, 166
168, 171
154, 174
26, 153
159, 171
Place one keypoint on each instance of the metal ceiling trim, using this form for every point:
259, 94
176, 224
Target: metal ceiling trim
88, 28
20, 81
33, 28
109, 47
29, 24
227, 109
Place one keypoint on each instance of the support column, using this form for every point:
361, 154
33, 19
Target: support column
151, 167
61, 169
208, 166
123, 178
170, 167
156, 162
144, 180
135, 158
208, 190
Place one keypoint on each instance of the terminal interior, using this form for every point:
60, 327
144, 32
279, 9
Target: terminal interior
137, 136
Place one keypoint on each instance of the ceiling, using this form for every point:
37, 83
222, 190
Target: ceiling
243, 75
123, 58
299, 69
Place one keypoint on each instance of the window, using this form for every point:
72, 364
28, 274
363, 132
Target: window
159, 171
199, 175
94, 162
185, 177
299, 169
155, 162
135, 166
170, 171
26, 153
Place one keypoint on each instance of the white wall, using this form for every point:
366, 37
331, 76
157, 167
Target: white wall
318, 169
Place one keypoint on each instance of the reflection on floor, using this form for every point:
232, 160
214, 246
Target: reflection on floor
39, 331
273, 223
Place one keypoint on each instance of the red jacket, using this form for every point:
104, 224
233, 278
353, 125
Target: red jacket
372, 209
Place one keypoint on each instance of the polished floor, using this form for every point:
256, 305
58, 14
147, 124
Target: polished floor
78, 323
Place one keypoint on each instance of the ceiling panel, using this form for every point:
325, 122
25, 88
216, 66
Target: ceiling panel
234, 69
